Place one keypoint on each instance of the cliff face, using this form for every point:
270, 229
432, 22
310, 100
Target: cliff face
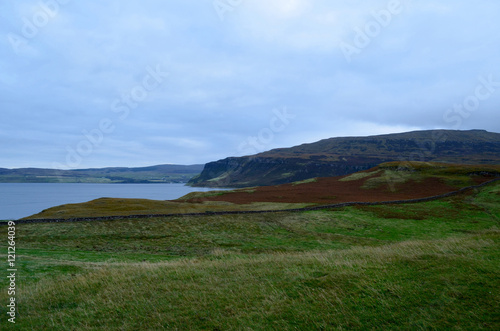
258, 171
342, 156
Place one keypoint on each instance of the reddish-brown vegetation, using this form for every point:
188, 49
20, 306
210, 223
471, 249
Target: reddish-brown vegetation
328, 190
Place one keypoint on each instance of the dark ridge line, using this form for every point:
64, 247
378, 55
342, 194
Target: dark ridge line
235, 212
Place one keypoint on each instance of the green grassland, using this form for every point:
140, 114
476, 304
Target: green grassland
419, 266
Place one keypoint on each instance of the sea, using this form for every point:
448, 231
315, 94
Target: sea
21, 200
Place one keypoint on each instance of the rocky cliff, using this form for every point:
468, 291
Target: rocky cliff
341, 156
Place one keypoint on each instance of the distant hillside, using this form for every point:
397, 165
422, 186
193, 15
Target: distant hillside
342, 156
155, 174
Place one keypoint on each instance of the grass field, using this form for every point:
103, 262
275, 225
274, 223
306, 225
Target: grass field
432, 265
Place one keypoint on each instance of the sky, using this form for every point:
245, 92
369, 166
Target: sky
89, 84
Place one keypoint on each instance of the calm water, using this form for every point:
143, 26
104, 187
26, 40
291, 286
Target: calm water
21, 200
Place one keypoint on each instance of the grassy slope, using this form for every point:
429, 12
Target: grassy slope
124, 207
455, 175
419, 266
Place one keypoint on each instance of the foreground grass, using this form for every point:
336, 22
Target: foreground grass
418, 266
417, 284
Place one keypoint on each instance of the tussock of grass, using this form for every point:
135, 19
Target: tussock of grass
359, 175
201, 195
388, 177
310, 180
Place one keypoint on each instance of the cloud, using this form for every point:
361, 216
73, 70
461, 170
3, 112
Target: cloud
226, 77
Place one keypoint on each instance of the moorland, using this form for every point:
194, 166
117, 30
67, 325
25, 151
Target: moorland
419, 265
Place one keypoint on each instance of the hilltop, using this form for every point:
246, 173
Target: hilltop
168, 173
347, 155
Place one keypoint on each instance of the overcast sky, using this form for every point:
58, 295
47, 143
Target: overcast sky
136, 83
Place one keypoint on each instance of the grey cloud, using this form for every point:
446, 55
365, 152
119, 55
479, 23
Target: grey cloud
226, 77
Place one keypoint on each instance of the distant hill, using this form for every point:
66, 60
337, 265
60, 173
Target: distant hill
155, 174
346, 155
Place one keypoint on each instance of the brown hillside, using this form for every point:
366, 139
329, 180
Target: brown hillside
390, 181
